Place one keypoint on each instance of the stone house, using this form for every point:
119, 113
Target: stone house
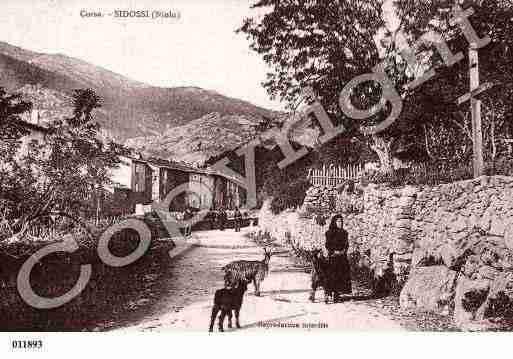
36, 131
146, 181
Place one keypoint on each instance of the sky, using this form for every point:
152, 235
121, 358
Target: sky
199, 49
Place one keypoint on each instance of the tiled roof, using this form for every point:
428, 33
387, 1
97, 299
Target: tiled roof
182, 166
185, 167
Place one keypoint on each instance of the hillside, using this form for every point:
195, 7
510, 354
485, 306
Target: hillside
85, 73
17, 52
200, 139
130, 109
214, 134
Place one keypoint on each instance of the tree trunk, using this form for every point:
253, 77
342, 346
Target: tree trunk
492, 137
98, 211
493, 143
99, 199
383, 149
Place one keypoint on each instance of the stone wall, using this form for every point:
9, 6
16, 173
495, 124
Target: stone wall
320, 199
452, 243
466, 229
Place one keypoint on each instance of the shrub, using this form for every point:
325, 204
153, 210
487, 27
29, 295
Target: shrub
394, 178
289, 194
502, 166
428, 174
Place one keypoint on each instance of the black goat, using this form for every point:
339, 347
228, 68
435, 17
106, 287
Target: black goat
227, 300
320, 275
248, 271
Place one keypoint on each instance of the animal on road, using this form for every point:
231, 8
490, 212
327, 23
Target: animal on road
248, 271
320, 275
228, 301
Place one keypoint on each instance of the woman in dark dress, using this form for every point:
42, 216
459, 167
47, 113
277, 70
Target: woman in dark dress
337, 244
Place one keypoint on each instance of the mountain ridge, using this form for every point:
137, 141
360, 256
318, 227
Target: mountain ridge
130, 109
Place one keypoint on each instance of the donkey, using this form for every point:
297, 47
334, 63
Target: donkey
320, 275
248, 271
227, 300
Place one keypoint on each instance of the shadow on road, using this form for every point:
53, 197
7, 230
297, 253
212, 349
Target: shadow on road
284, 291
290, 270
358, 298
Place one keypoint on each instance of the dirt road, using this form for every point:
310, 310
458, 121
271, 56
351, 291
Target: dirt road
283, 305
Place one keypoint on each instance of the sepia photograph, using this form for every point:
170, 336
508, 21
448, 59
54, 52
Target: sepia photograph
255, 167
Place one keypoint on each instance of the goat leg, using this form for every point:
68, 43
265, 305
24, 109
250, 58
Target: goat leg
257, 287
237, 312
327, 294
221, 320
229, 313
312, 293
215, 310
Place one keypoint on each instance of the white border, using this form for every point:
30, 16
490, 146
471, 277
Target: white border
260, 345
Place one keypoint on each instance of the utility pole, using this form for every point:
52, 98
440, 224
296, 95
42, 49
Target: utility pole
475, 109
475, 104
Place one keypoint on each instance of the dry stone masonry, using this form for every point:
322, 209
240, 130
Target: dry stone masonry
450, 246
320, 199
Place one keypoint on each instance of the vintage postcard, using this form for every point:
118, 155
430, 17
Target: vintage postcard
255, 166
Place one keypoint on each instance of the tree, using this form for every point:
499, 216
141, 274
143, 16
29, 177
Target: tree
61, 175
448, 131
325, 44
11, 109
320, 44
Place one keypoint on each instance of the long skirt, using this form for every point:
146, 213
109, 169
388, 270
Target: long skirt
340, 278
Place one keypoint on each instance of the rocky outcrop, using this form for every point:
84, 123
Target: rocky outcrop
430, 289
465, 226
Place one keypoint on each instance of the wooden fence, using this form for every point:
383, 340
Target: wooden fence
334, 175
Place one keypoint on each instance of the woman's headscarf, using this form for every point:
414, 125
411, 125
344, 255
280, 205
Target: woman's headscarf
333, 224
